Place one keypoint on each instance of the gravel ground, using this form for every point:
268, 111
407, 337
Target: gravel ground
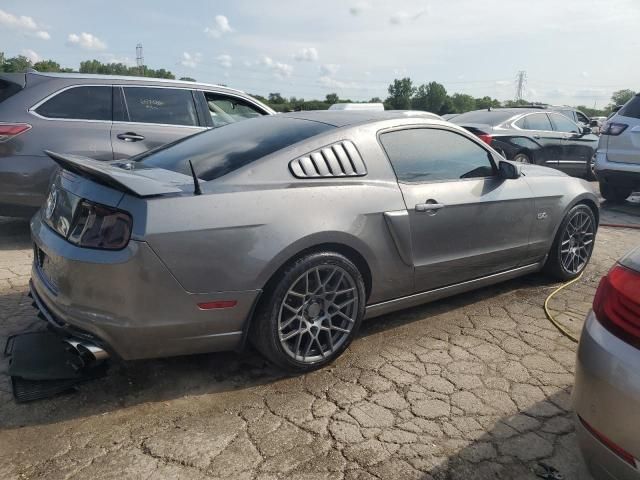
475, 386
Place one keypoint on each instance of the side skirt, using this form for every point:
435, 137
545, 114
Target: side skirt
382, 308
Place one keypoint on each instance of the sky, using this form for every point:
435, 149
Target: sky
574, 52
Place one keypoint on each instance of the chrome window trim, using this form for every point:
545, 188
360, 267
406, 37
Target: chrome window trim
33, 108
147, 124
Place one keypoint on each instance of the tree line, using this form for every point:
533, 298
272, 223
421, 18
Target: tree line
402, 93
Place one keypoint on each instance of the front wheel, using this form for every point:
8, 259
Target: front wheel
522, 158
573, 244
312, 312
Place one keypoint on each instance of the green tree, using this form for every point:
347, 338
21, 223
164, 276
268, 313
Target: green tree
431, 97
487, 102
375, 100
276, 99
462, 102
47, 66
16, 64
332, 98
621, 97
400, 93
187, 79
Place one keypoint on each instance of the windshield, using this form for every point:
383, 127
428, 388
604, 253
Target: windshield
217, 152
483, 116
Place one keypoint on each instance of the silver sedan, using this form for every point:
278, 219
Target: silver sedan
288, 230
606, 395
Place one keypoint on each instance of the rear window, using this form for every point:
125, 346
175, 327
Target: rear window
483, 116
79, 103
8, 89
217, 152
631, 108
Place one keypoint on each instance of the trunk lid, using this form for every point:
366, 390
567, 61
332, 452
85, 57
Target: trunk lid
141, 182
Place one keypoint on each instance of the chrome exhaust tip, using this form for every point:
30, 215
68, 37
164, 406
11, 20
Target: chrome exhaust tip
89, 352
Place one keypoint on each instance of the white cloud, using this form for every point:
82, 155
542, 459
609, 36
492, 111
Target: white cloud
329, 69
225, 61
403, 17
86, 41
190, 60
330, 82
111, 58
502, 83
309, 54
31, 55
280, 70
585, 74
359, 8
23, 23
220, 27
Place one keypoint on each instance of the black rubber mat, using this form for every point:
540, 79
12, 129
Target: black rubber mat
42, 364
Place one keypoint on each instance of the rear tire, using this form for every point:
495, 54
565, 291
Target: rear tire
311, 313
614, 194
573, 244
522, 158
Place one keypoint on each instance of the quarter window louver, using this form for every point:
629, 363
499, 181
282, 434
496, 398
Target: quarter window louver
338, 160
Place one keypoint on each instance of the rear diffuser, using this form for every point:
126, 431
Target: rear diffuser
42, 364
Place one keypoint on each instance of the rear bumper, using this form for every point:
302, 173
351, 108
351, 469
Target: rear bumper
606, 395
616, 173
128, 301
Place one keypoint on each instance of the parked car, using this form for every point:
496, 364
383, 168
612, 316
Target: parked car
533, 136
449, 116
289, 230
357, 106
105, 117
574, 114
617, 163
606, 394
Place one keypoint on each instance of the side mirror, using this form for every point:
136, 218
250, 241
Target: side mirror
508, 170
593, 123
587, 131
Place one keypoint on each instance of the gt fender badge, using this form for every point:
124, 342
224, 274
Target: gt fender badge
542, 215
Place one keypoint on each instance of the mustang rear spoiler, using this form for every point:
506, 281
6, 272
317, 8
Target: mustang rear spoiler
141, 183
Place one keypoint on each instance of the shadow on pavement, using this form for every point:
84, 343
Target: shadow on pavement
14, 234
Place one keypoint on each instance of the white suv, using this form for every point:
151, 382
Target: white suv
617, 163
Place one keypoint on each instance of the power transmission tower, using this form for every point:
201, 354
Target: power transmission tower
521, 80
140, 60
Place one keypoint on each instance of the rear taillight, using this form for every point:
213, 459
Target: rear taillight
611, 128
10, 130
617, 304
99, 226
486, 138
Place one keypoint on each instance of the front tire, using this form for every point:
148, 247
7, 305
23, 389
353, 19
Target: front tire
614, 194
522, 158
311, 313
573, 244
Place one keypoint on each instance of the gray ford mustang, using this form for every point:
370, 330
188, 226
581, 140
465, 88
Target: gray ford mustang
288, 230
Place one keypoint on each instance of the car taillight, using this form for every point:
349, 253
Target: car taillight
10, 130
611, 128
617, 304
99, 226
486, 138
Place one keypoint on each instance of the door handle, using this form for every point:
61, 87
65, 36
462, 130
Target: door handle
130, 137
430, 206
537, 137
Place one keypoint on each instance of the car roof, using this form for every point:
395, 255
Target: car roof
343, 118
131, 79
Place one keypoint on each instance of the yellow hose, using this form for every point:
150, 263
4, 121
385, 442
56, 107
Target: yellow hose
551, 318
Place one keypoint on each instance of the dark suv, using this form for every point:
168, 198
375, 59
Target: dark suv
103, 117
534, 135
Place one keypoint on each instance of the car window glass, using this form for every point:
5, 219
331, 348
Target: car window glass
170, 106
225, 109
563, 124
520, 123
426, 155
632, 108
582, 118
568, 114
537, 121
79, 103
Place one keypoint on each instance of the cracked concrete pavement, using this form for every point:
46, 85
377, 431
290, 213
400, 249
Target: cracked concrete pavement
475, 386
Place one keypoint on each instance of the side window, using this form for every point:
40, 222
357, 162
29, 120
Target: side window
172, 106
563, 124
427, 155
582, 118
631, 108
225, 110
79, 103
537, 121
569, 114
